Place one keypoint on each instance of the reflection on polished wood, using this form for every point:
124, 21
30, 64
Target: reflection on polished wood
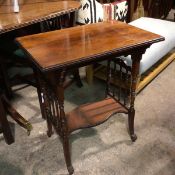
22, 2
32, 12
78, 44
89, 115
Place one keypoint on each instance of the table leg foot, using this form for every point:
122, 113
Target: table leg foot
133, 137
67, 155
131, 116
7, 132
28, 127
9, 138
70, 170
49, 133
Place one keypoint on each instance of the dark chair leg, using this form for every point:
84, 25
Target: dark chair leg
5, 125
6, 81
77, 78
41, 93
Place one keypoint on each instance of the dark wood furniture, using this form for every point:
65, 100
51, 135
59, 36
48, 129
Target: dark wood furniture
154, 8
158, 8
4, 125
54, 53
7, 108
28, 20
33, 13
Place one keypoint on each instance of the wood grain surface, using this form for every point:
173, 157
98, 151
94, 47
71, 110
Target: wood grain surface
31, 12
70, 46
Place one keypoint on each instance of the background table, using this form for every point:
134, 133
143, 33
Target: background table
31, 14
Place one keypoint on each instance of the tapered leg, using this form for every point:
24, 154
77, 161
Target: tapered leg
43, 100
67, 156
40, 93
131, 116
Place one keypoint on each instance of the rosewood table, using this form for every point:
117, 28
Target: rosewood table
31, 12
54, 53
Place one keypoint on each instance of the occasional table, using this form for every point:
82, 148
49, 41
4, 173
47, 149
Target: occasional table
31, 12
54, 53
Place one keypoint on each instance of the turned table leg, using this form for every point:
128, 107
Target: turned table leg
40, 89
64, 127
55, 115
136, 57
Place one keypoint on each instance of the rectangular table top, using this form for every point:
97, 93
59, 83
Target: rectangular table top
56, 49
32, 11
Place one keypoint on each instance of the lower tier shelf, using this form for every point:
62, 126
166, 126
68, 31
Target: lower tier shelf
93, 114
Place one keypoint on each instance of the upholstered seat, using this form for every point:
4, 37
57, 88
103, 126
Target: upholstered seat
157, 50
156, 58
